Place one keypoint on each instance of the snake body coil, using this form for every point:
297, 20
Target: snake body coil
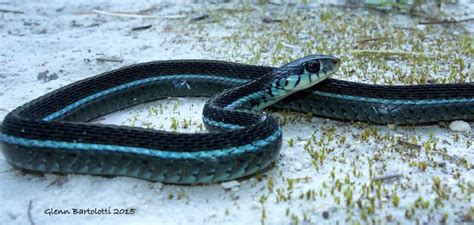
51, 133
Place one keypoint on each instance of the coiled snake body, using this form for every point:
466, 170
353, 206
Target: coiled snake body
51, 133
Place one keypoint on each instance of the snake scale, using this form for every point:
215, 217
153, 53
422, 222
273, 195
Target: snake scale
53, 133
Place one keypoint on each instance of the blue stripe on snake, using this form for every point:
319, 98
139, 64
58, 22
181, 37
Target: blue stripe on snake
53, 133
238, 81
211, 153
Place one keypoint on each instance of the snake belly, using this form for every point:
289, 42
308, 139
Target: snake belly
52, 133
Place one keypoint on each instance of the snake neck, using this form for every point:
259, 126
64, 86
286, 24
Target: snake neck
236, 108
259, 93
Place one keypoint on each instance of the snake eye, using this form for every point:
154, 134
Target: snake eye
313, 66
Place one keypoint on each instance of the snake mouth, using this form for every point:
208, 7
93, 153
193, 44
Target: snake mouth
337, 63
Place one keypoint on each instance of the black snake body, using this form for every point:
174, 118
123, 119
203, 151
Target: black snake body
52, 133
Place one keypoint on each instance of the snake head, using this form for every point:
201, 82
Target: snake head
295, 76
306, 72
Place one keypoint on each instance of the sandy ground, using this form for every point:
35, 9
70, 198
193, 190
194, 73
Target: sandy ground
51, 44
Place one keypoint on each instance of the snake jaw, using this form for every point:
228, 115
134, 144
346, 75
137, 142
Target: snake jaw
309, 71
293, 77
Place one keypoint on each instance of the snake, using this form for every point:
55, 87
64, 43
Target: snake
54, 133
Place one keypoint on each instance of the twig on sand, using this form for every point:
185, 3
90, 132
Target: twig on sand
200, 17
30, 217
302, 179
418, 147
408, 145
123, 14
11, 11
109, 59
59, 180
393, 53
142, 27
445, 21
136, 15
387, 177
372, 39
446, 155
268, 19
405, 28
